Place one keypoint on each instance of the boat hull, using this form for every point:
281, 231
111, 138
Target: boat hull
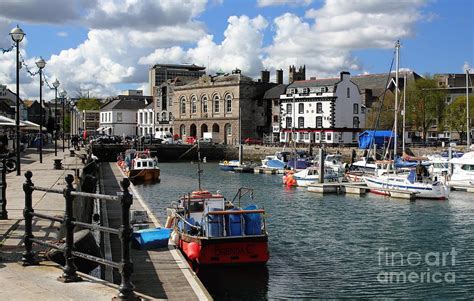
379, 186
144, 174
227, 250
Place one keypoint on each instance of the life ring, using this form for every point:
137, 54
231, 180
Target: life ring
226, 163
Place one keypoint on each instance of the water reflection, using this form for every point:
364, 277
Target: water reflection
236, 283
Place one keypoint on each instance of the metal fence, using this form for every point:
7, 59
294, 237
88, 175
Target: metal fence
125, 266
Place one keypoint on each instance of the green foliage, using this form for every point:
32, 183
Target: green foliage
387, 116
88, 104
456, 114
425, 104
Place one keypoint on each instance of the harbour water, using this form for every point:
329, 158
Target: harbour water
337, 246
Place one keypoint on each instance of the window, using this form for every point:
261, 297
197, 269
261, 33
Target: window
204, 104
275, 118
276, 103
362, 109
319, 108
216, 104
288, 122
110, 116
328, 136
301, 108
193, 105
288, 108
348, 93
119, 116
354, 136
356, 108
319, 122
301, 122
355, 122
182, 103
228, 130
141, 117
146, 118
318, 136
228, 103
163, 116
170, 116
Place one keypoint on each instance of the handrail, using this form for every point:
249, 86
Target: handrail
227, 212
125, 266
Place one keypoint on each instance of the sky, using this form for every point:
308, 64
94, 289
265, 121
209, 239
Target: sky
103, 47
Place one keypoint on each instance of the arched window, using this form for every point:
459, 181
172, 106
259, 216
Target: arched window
182, 130
182, 104
164, 116
216, 101
204, 104
170, 116
228, 103
193, 105
355, 122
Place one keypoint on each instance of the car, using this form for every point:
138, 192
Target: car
250, 140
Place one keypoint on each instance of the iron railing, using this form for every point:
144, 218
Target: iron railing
125, 266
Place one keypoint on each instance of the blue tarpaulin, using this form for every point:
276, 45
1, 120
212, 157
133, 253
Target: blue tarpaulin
380, 137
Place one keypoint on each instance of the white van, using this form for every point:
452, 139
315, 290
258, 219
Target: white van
167, 137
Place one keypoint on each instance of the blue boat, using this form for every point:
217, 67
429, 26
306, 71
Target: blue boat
147, 239
229, 165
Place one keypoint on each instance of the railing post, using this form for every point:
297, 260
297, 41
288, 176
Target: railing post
3, 188
28, 256
126, 266
69, 270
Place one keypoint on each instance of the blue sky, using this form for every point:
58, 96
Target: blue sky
105, 46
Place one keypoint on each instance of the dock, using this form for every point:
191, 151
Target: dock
161, 273
358, 189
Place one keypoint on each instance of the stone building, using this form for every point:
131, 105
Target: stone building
295, 75
215, 103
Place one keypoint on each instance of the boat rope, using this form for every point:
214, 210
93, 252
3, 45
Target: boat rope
186, 222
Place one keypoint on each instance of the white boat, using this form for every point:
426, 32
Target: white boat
382, 184
310, 176
463, 171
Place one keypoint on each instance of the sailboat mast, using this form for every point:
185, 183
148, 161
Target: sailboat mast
199, 166
404, 109
397, 47
468, 132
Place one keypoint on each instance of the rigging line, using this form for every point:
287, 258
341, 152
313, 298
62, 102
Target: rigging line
23, 62
377, 120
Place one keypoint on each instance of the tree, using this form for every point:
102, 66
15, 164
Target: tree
456, 115
425, 105
88, 104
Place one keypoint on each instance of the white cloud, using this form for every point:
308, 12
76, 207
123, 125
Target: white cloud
264, 3
325, 42
241, 48
62, 34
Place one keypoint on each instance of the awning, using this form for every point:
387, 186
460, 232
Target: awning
100, 129
28, 125
5, 121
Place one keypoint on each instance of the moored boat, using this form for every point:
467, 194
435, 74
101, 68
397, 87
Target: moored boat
229, 165
210, 230
140, 166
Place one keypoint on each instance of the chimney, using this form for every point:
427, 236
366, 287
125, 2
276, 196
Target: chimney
265, 76
279, 76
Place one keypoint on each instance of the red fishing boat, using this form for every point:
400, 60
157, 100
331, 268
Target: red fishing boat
210, 230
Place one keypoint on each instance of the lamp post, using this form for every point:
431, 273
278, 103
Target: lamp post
40, 64
63, 100
17, 36
55, 131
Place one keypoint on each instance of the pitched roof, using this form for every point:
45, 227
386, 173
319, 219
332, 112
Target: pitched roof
124, 104
275, 92
315, 82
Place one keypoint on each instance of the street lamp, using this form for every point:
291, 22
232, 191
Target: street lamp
17, 36
55, 131
63, 100
40, 64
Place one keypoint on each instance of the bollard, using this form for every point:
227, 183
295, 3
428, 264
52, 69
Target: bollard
69, 270
28, 257
126, 266
3, 188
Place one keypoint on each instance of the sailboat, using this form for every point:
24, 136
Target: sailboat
423, 187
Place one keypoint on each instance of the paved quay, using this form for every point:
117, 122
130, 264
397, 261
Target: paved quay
40, 282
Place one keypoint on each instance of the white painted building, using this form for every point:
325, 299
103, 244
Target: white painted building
119, 116
326, 111
146, 121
